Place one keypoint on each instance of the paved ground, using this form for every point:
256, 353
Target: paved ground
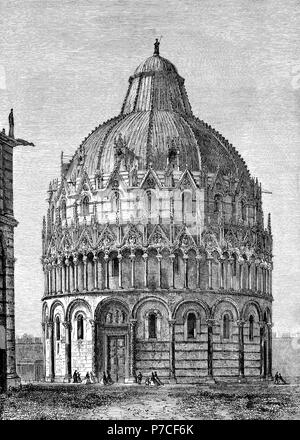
170, 402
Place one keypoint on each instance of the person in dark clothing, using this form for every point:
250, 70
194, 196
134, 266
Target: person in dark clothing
75, 377
78, 377
156, 379
280, 378
276, 378
87, 378
139, 378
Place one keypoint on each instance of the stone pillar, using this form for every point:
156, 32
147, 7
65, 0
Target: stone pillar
54, 277
185, 272
132, 329
249, 276
172, 258
106, 261
269, 367
75, 262
241, 349
67, 275
44, 330
68, 351
159, 257
261, 342
221, 272
85, 279
94, 343
95, 259
51, 352
198, 259
241, 277
46, 289
145, 257
120, 271
172, 375
59, 283
209, 262
132, 278
210, 324
230, 272
50, 278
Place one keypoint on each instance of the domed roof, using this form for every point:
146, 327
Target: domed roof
155, 114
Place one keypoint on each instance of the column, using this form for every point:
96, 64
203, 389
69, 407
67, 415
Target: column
261, 340
75, 262
241, 348
44, 327
249, 276
45, 280
67, 275
106, 261
59, 284
132, 278
68, 351
172, 258
51, 352
270, 325
85, 280
50, 278
209, 261
159, 257
221, 272
54, 277
95, 259
230, 271
198, 259
172, 375
93, 327
145, 257
64, 277
185, 271
132, 329
120, 271
241, 275
210, 323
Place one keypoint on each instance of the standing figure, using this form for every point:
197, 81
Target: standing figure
156, 47
139, 378
276, 378
109, 379
104, 378
87, 378
75, 378
11, 123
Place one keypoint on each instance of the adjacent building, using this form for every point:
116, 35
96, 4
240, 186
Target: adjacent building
155, 252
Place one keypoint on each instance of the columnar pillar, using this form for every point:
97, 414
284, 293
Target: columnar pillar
159, 257
46, 292
221, 272
185, 272
145, 257
241, 277
93, 327
68, 351
44, 330
241, 349
230, 272
54, 277
120, 271
261, 342
269, 325
210, 323
75, 262
198, 259
209, 261
132, 278
59, 280
95, 259
67, 275
172, 258
51, 353
106, 261
50, 278
172, 375
249, 276
85, 279
131, 347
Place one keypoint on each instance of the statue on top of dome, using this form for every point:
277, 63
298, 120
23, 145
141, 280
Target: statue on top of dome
156, 46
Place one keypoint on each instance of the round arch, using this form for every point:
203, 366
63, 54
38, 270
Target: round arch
225, 300
246, 307
54, 305
149, 299
74, 304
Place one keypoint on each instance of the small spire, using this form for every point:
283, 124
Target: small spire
269, 224
156, 47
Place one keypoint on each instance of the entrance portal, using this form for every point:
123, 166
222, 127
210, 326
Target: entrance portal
116, 357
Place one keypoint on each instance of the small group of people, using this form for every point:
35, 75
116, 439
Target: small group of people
89, 378
106, 378
278, 379
151, 381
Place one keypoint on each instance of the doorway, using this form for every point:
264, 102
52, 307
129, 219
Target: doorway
116, 357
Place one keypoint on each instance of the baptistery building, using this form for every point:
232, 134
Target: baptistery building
156, 254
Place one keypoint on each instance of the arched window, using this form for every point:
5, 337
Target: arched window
218, 203
226, 322
149, 203
251, 328
115, 202
152, 319
63, 210
191, 326
80, 334
57, 328
186, 205
115, 267
85, 206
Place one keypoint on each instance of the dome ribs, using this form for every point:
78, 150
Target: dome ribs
117, 119
150, 128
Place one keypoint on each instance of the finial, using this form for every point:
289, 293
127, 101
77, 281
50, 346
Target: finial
156, 46
11, 123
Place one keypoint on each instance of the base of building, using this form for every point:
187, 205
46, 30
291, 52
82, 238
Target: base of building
13, 381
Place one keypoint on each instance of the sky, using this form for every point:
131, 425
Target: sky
64, 69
